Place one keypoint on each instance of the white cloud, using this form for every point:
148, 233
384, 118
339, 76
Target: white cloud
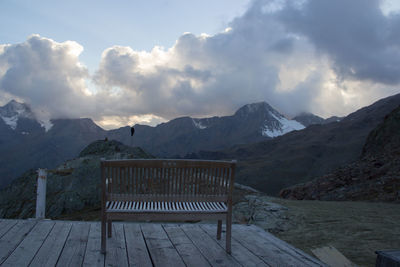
46, 74
298, 56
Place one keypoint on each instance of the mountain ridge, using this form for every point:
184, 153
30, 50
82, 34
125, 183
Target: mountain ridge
300, 156
30, 145
268, 164
373, 177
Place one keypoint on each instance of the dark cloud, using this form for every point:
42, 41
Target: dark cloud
363, 43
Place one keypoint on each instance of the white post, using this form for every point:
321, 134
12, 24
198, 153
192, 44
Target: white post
41, 194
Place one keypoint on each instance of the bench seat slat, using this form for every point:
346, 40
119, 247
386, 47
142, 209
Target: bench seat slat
121, 206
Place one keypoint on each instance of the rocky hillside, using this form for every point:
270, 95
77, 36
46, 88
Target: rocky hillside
72, 186
375, 176
30, 146
300, 156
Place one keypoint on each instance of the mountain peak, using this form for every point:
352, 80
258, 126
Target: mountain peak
308, 119
13, 110
254, 108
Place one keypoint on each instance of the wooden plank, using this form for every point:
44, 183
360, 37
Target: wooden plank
93, 257
116, 248
208, 246
284, 246
27, 249
50, 251
185, 247
13, 237
75, 246
136, 246
161, 249
6, 225
332, 257
239, 252
264, 248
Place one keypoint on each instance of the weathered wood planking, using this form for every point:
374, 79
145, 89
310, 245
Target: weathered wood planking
75, 246
10, 240
282, 245
50, 251
27, 249
51, 243
136, 246
6, 225
161, 249
266, 250
116, 250
215, 254
185, 247
240, 253
93, 257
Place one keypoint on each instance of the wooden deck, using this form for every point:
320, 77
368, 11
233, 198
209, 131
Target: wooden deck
66, 243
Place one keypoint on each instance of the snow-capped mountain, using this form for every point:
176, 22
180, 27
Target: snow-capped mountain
179, 137
13, 111
272, 122
25, 143
19, 117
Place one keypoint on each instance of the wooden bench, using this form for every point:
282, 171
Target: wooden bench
167, 190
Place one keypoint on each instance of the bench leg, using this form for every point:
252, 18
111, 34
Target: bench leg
103, 234
219, 229
228, 233
109, 228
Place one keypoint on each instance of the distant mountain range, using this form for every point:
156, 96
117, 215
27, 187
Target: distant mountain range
300, 156
178, 137
25, 143
274, 152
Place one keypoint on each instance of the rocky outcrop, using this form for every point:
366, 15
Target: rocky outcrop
258, 209
374, 177
72, 186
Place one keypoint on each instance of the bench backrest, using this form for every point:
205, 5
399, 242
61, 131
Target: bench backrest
167, 180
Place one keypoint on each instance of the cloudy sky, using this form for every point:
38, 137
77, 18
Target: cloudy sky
126, 62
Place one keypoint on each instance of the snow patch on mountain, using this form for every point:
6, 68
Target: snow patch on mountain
46, 125
285, 126
13, 111
198, 124
11, 121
